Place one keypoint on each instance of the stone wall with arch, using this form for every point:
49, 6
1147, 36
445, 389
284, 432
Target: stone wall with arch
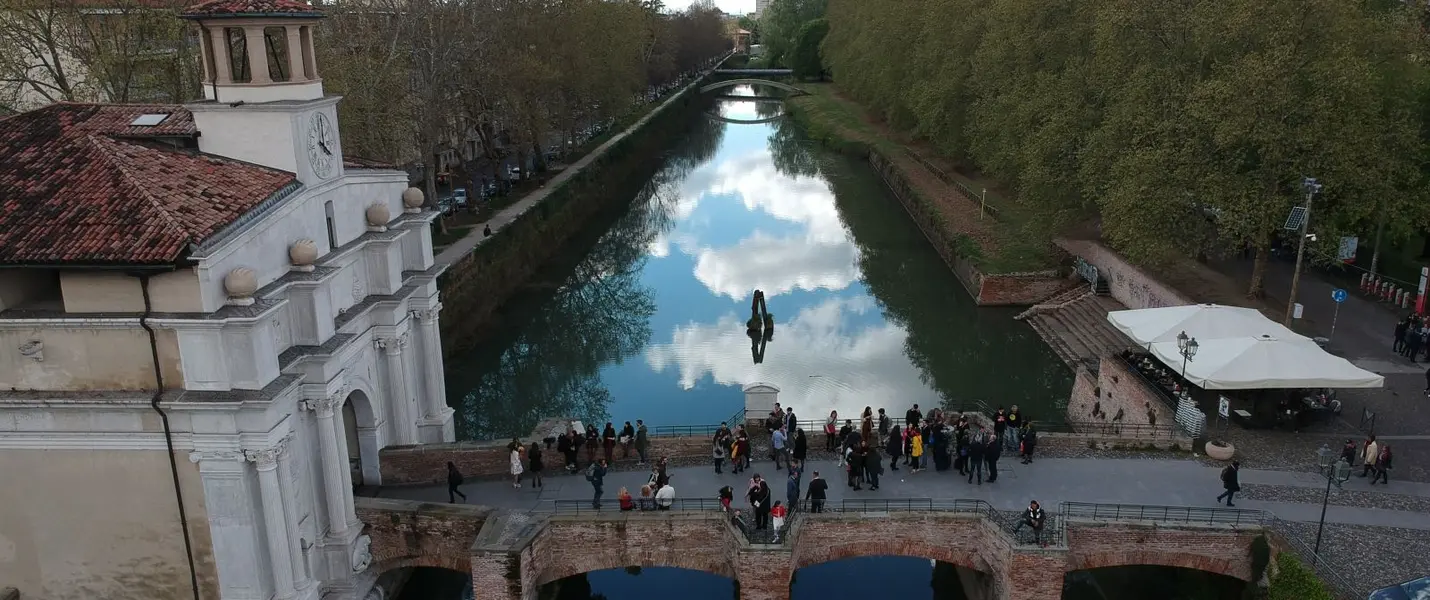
420, 534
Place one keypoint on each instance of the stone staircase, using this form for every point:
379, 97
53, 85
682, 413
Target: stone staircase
1057, 301
1078, 330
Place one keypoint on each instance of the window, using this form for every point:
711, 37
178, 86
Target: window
332, 226
238, 54
149, 120
275, 42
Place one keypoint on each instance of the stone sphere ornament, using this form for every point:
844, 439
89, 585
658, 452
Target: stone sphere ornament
412, 199
303, 253
240, 284
377, 217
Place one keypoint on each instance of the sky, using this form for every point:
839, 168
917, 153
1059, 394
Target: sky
733, 7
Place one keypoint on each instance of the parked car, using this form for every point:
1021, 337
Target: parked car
459, 197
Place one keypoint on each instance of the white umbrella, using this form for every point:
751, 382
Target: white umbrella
1264, 362
1202, 321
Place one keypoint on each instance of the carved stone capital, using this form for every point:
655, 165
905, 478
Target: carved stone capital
324, 407
265, 458
427, 315
391, 345
198, 456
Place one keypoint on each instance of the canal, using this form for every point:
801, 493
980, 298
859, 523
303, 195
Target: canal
647, 319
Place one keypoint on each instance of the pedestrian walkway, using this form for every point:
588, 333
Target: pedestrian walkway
462, 247
1049, 481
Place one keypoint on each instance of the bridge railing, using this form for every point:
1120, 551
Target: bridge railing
688, 430
1191, 515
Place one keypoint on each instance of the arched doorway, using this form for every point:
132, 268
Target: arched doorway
360, 437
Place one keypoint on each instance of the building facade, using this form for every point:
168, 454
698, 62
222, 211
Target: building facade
210, 324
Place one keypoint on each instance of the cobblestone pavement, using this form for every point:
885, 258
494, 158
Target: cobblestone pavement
1368, 558
1338, 497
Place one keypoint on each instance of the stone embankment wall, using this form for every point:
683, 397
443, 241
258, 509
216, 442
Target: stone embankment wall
1116, 388
593, 194
514, 554
427, 463
1128, 284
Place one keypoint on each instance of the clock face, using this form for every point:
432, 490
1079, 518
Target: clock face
322, 145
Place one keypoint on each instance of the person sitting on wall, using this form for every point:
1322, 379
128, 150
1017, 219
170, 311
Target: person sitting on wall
1035, 518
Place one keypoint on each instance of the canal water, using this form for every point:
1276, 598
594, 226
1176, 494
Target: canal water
647, 320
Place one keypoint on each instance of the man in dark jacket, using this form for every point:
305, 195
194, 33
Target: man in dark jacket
873, 466
912, 418
567, 446
991, 452
759, 497
816, 493
976, 445
895, 447
1230, 481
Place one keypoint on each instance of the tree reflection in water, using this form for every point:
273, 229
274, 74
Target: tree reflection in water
953, 344
575, 317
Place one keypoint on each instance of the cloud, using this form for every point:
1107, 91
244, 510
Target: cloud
777, 266
818, 359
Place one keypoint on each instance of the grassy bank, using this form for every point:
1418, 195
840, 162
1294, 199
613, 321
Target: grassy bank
970, 206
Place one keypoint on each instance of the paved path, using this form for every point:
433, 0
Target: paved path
505, 216
1118, 481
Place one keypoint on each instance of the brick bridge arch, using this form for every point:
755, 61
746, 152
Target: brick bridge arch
890, 546
420, 534
1220, 550
1236, 568
571, 547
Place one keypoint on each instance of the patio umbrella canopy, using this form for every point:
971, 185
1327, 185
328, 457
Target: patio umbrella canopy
1239, 349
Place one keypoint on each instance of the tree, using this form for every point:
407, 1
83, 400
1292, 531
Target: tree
781, 23
804, 57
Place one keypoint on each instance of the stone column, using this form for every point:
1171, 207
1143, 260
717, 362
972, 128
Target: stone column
223, 67
295, 53
437, 425
266, 459
257, 54
398, 396
298, 561
345, 473
333, 463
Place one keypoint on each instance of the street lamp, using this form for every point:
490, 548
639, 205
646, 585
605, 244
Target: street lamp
1337, 472
1188, 348
1311, 187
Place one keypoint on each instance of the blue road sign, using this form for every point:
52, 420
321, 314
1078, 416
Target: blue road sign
1339, 295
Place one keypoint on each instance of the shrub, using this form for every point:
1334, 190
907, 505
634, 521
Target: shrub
1295, 581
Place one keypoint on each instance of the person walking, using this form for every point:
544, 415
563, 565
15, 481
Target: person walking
855, 464
1369, 452
792, 487
873, 466
1029, 443
642, 441
742, 440
759, 498
831, 428
801, 447
534, 464
960, 450
1348, 452
1398, 343
1412, 343
454, 479
1231, 482
777, 513
883, 425
916, 449
778, 441
991, 453
608, 442
1382, 466
596, 474
516, 450
894, 446
818, 489
977, 444
1000, 423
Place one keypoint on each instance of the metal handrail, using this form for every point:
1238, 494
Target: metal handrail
1114, 428
1165, 514
1318, 564
688, 430
613, 505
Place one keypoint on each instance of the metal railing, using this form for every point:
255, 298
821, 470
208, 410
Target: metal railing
1335, 582
1113, 429
1165, 514
689, 430
613, 505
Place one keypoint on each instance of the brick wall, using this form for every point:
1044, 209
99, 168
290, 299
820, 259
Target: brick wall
764, 574
1035, 575
1084, 393
1128, 284
1225, 551
1019, 289
491, 576
427, 463
573, 545
406, 533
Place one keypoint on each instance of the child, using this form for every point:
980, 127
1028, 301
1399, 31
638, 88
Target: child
727, 494
718, 453
627, 503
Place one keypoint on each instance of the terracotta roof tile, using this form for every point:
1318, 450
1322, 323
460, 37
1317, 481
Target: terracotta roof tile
247, 8
80, 185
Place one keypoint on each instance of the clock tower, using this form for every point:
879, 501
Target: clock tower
264, 100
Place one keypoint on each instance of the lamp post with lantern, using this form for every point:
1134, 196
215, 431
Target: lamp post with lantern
1337, 471
1187, 347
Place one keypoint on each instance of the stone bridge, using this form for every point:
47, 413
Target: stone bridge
734, 82
755, 72
512, 554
